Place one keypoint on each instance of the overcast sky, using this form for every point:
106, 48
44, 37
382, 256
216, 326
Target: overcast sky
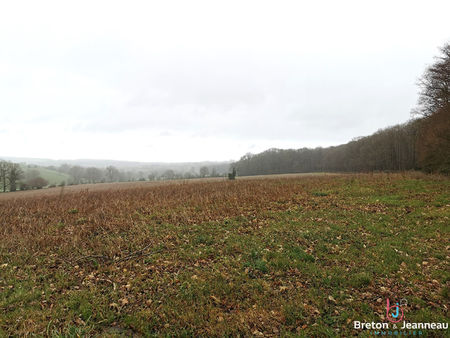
207, 80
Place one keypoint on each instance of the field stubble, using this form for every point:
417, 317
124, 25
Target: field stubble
296, 255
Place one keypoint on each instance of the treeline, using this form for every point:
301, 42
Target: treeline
10, 174
420, 144
80, 175
389, 149
15, 176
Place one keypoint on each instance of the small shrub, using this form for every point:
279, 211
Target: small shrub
37, 182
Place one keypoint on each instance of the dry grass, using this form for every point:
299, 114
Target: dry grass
56, 191
251, 256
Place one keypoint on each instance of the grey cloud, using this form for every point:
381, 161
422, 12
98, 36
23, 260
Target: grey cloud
255, 73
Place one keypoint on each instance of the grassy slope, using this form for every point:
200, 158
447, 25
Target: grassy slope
302, 256
52, 176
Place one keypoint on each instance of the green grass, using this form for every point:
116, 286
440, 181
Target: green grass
53, 177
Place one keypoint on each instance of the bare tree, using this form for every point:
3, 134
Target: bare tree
3, 174
37, 182
434, 146
112, 174
169, 174
204, 171
14, 174
435, 85
93, 174
77, 173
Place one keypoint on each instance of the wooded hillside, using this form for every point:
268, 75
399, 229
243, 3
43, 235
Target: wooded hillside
423, 143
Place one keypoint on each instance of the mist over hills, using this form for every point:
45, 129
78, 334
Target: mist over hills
29, 173
130, 165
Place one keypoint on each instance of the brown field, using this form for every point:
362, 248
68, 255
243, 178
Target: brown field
282, 255
130, 185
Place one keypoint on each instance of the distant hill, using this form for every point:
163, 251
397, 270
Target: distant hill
45, 162
55, 177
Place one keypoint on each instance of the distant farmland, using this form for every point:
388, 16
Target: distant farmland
284, 255
52, 176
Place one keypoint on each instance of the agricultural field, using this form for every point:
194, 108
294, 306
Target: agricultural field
294, 255
52, 176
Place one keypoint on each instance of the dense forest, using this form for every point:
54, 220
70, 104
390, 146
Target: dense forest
423, 143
